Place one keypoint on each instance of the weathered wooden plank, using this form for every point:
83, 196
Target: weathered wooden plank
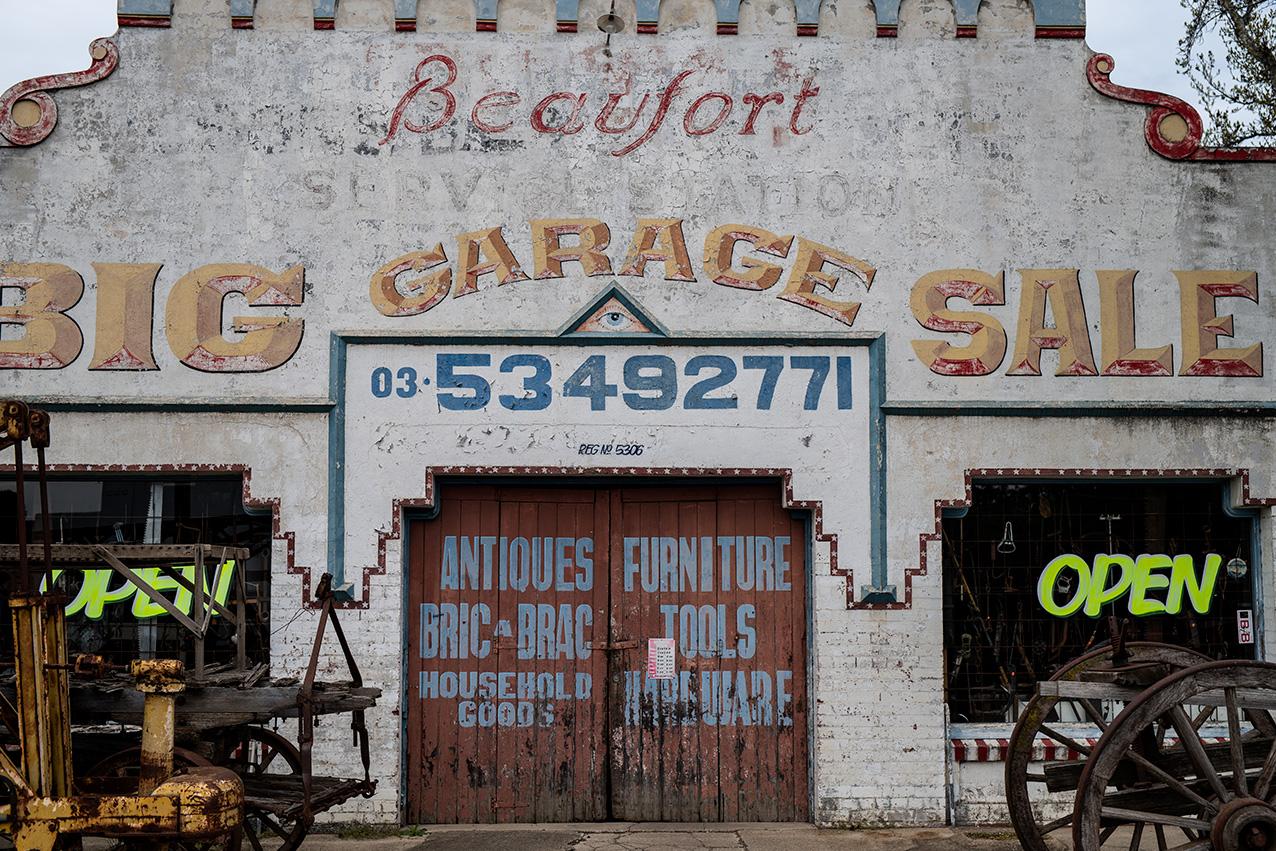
86, 555
212, 708
710, 803
1064, 776
1245, 698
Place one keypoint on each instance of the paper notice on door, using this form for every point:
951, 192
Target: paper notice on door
660, 659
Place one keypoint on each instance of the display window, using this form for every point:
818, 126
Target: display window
106, 615
1035, 573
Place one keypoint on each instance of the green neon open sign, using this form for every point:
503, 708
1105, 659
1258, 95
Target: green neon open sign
1112, 577
96, 592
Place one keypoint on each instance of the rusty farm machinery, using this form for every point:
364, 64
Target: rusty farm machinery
154, 751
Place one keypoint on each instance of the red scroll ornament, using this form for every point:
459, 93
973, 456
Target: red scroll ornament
28, 113
1173, 127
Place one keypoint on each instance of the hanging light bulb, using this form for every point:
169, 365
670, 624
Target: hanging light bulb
1007, 545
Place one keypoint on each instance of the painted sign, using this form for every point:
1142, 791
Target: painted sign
642, 405
429, 103
96, 592
465, 381
1244, 626
660, 658
1088, 588
819, 277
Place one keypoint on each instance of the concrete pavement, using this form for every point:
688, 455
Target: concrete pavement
628, 836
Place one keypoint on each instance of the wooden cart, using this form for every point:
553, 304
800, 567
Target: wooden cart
1188, 763
228, 714
232, 718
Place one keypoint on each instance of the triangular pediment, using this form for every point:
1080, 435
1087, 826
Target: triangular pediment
613, 313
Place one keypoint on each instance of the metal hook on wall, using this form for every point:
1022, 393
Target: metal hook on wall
1007, 545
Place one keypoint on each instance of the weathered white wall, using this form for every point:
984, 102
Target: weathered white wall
211, 145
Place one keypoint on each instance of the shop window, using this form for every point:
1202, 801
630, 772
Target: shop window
1005, 627
105, 619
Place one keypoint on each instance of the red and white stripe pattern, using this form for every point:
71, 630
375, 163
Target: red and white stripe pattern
1043, 749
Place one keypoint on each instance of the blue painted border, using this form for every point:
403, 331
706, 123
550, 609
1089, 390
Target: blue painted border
879, 591
1255, 517
1011, 408
340, 342
174, 406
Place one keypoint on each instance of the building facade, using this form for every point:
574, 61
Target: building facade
705, 411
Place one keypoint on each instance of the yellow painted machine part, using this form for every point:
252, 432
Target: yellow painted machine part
159, 717
43, 683
204, 803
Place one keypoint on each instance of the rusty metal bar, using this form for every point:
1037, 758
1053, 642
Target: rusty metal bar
57, 685
13, 774
305, 698
197, 611
241, 615
358, 726
24, 568
8, 715
160, 681
39, 428
33, 698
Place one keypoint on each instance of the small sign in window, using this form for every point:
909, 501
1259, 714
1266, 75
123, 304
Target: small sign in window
1244, 626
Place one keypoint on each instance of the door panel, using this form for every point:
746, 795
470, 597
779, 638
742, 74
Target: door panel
726, 740
527, 692
519, 735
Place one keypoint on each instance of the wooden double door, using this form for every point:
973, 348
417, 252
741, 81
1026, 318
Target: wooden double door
529, 694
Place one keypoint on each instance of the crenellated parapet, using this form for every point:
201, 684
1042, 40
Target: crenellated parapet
1052, 18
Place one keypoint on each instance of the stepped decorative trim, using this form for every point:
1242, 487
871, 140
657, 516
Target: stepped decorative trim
967, 18
325, 14
485, 16
1059, 18
808, 17
145, 13
27, 112
648, 16
1052, 18
1173, 128
241, 14
405, 16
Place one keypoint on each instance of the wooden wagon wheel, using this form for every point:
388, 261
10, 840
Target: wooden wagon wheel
124, 767
255, 754
1219, 797
1035, 720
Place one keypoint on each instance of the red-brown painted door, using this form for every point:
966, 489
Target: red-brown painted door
529, 614
506, 697
722, 570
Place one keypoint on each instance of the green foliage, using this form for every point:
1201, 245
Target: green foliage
1238, 92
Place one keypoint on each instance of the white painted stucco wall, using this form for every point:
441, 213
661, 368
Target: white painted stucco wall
209, 145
